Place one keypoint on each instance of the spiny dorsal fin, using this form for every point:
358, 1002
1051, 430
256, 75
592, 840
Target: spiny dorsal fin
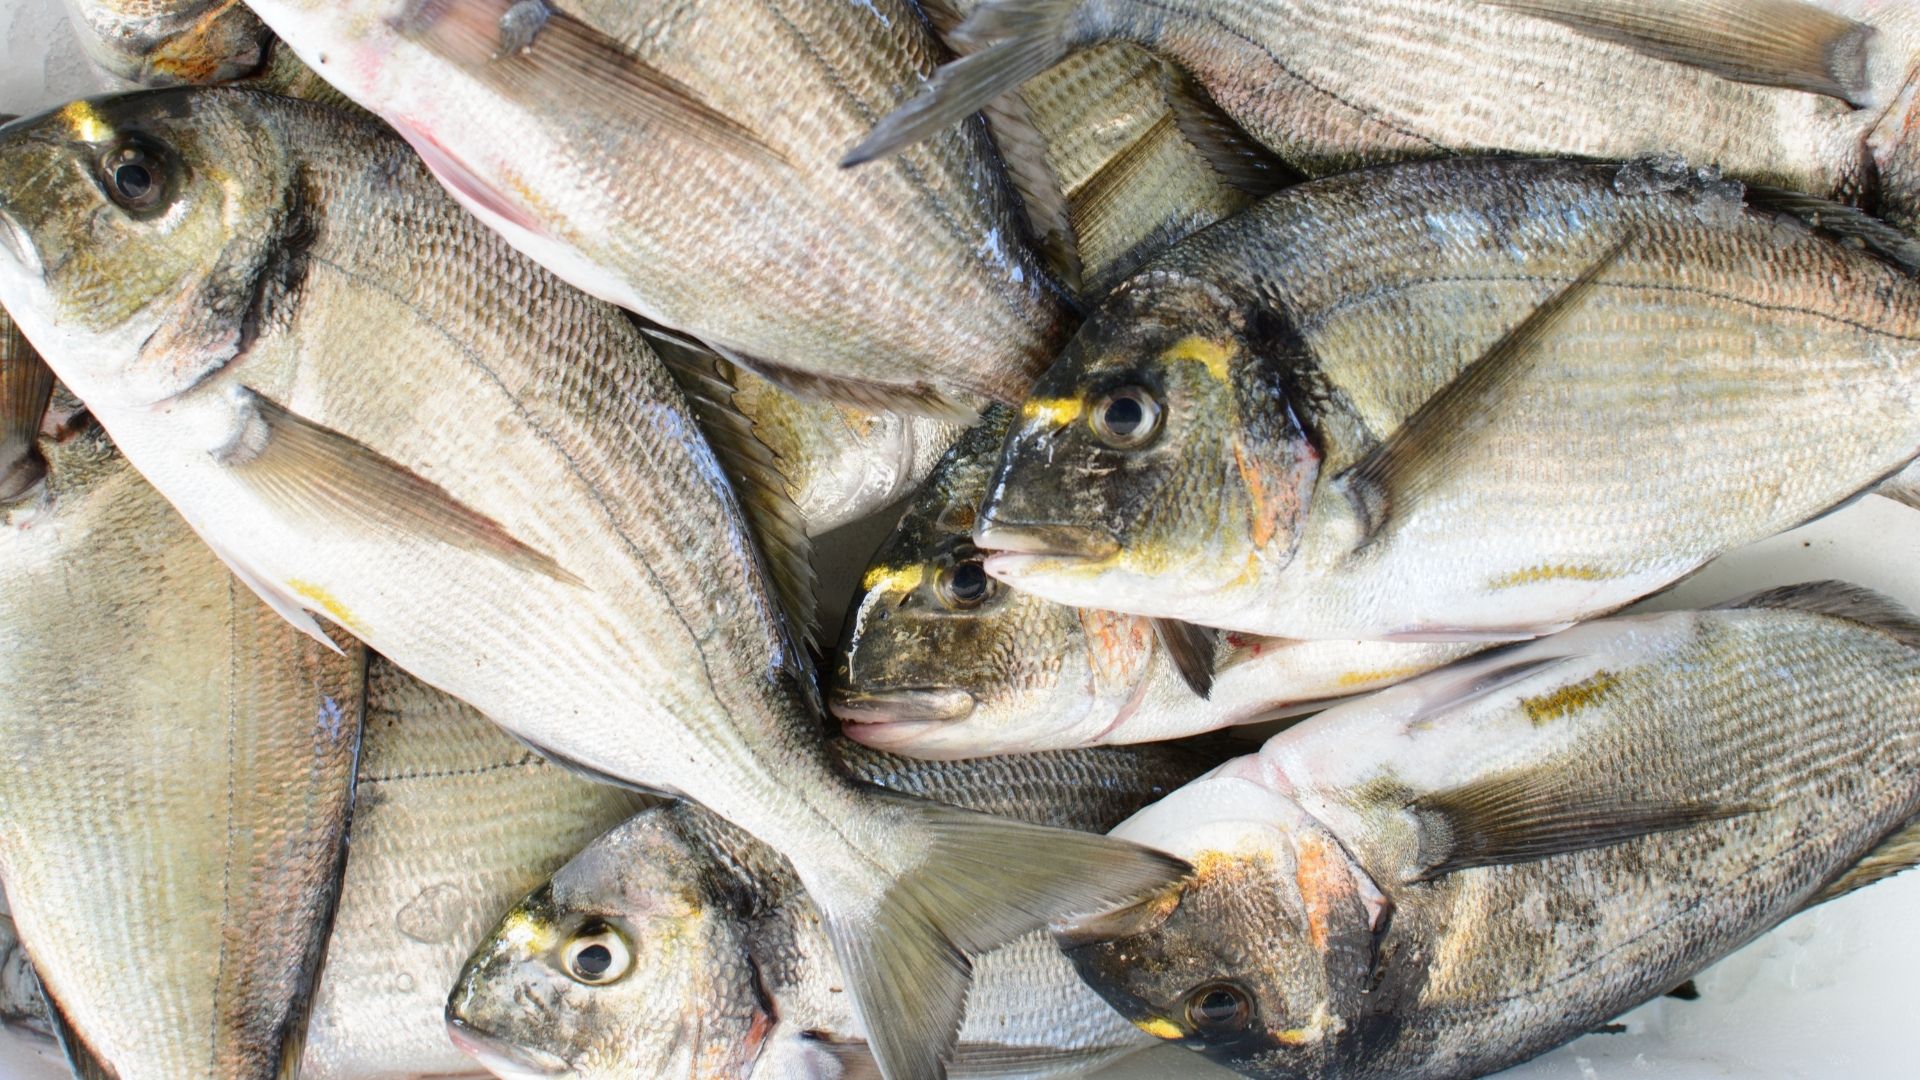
1897, 853
1841, 223
1841, 600
1532, 815
26, 389
1033, 36
1192, 649
1395, 473
1235, 155
86, 1064
1024, 152
537, 55
315, 472
1785, 43
765, 493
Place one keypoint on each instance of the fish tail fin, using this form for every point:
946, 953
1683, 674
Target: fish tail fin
904, 937
1029, 37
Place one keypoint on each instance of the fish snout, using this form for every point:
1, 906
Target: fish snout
1057, 541
940, 704
500, 1057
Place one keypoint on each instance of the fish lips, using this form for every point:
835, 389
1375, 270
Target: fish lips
1014, 550
503, 1059
914, 705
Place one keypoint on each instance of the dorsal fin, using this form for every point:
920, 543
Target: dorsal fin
709, 381
1785, 43
1840, 600
1844, 224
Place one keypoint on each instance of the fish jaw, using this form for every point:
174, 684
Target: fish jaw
503, 1060
910, 722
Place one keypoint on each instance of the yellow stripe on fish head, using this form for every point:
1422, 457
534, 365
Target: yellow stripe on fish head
1160, 1027
1211, 355
1058, 411
87, 123
894, 579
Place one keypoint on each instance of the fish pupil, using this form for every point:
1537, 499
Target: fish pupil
969, 582
133, 179
1124, 416
594, 960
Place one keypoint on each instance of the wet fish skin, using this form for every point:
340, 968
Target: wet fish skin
1306, 912
1285, 347
520, 506
224, 742
767, 251
170, 42
454, 823
731, 974
927, 672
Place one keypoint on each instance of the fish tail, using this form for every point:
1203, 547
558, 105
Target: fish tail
905, 936
1029, 37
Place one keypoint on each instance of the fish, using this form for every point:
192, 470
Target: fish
1816, 97
375, 409
178, 783
682, 163
454, 822
26, 389
1474, 399
677, 946
939, 660
170, 42
23, 1008
1458, 874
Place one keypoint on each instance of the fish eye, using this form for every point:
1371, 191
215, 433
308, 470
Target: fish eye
1126, 418
135, 176
598, 955
1219, 1009
964, 584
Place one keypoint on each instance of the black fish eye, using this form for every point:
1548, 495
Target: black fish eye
135, 177
598, 955
964, 584
1219, 1009
1126, 418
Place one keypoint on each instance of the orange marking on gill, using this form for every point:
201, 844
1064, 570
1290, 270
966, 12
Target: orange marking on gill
1265, 511
1569, 699
1323, 880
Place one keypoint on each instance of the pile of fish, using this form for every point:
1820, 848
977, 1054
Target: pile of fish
416, 418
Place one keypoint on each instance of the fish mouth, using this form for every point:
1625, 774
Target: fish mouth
1052, 541
917, 705
501, 1058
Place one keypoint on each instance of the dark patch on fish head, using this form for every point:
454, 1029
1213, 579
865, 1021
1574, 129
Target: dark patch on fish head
152, 229
172, 44
631, 961
1151, 463
939, 659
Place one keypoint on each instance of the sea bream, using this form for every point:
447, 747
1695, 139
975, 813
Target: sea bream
939, 660
1463, 399
170, 42
1463, 872
682, 161
376, 410
678, 947
1817, 97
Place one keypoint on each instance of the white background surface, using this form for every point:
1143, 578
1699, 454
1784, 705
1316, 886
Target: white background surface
1829, 994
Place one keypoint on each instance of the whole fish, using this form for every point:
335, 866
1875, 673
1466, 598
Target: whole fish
1816, 97
1464, 399
1460, 873
373, 408
677, 946
178, 773
453, 823
938, 660
170, 42
683, 162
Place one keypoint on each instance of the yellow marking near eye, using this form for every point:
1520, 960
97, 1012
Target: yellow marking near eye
1213, 355
1058, 411
1534, 575
1160, 1028
327, 602
1383, 675
524, 931
893, 579
1569, 699
87, 124
1292, 1036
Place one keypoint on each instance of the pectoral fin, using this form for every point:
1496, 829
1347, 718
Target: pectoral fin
916, 399
540, 56
1785, 43
1395, 473
1192, 650
26, 389
1527, 816
321, 476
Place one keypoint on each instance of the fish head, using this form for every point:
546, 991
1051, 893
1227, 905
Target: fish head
171, 42
1260, 959
939, 660
1156, 464
631, 961
141, 233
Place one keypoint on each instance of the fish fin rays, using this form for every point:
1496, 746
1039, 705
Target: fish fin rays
535, 54
26, 390
1789, 44
1023, 150
314, 472
1531, 815
283, 603
1193, 651
1238, 159
1398, 470
1896, 854
978, 883
1842, 223
81, 1058
1903, 488
1841, 600
710, 381
1031, 35
917, 400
